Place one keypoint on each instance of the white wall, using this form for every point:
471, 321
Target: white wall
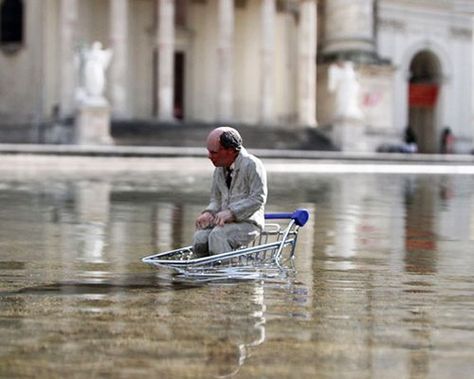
21, 76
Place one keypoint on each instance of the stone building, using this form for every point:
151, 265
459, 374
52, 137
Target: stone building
262, 63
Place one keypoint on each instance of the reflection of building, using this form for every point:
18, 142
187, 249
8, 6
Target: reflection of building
246, 61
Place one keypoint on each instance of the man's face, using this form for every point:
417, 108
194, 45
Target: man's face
219, 156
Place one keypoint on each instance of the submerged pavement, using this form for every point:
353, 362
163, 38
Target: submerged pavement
383, 284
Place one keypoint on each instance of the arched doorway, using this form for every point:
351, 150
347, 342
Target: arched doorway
424, 92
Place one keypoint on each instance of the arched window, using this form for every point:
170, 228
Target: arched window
11, 22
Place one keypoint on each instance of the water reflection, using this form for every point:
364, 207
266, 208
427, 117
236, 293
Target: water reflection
420, 234
92, 209
221, 334
384, 281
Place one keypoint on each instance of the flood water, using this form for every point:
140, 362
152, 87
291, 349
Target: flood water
384, 285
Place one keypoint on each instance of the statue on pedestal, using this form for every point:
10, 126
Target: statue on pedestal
93, 116
343, 81
91, 66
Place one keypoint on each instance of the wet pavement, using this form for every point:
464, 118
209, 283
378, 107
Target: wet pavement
383, 288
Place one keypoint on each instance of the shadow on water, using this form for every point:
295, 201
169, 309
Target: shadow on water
12, 265
155, 283
151, 282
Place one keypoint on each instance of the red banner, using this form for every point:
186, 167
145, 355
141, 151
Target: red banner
423, 95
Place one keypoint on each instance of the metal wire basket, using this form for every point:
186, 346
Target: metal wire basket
271, 252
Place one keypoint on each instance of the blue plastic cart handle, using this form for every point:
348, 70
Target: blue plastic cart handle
300, 216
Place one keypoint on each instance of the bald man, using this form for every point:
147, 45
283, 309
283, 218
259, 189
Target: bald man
235, 214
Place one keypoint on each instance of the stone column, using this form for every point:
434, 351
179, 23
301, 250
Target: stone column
472, 91
225, 47
67, 75
166, 41
349, 28
119, 67
307, 63
267, 54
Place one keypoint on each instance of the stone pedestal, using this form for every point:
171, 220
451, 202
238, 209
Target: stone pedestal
93, 125
348, 135
375, 99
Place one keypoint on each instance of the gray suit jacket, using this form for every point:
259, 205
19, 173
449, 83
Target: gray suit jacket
247, 194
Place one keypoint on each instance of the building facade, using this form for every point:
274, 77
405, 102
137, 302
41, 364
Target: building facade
257, 62
430, 45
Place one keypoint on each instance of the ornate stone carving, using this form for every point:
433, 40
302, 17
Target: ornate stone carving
391, 24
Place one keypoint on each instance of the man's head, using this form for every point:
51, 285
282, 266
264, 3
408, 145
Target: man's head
223, 146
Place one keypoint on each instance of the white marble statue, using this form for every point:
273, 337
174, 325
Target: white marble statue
92, 64
343, 81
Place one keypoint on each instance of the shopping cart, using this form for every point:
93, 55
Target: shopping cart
268, 255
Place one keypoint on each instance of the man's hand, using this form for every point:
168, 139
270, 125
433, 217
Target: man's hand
205, 220
223, 217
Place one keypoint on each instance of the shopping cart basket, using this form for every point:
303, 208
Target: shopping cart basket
273, 250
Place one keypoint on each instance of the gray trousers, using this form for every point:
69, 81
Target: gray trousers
221, 239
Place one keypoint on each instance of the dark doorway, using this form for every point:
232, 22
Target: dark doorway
179, 76
178, 83
154, 104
